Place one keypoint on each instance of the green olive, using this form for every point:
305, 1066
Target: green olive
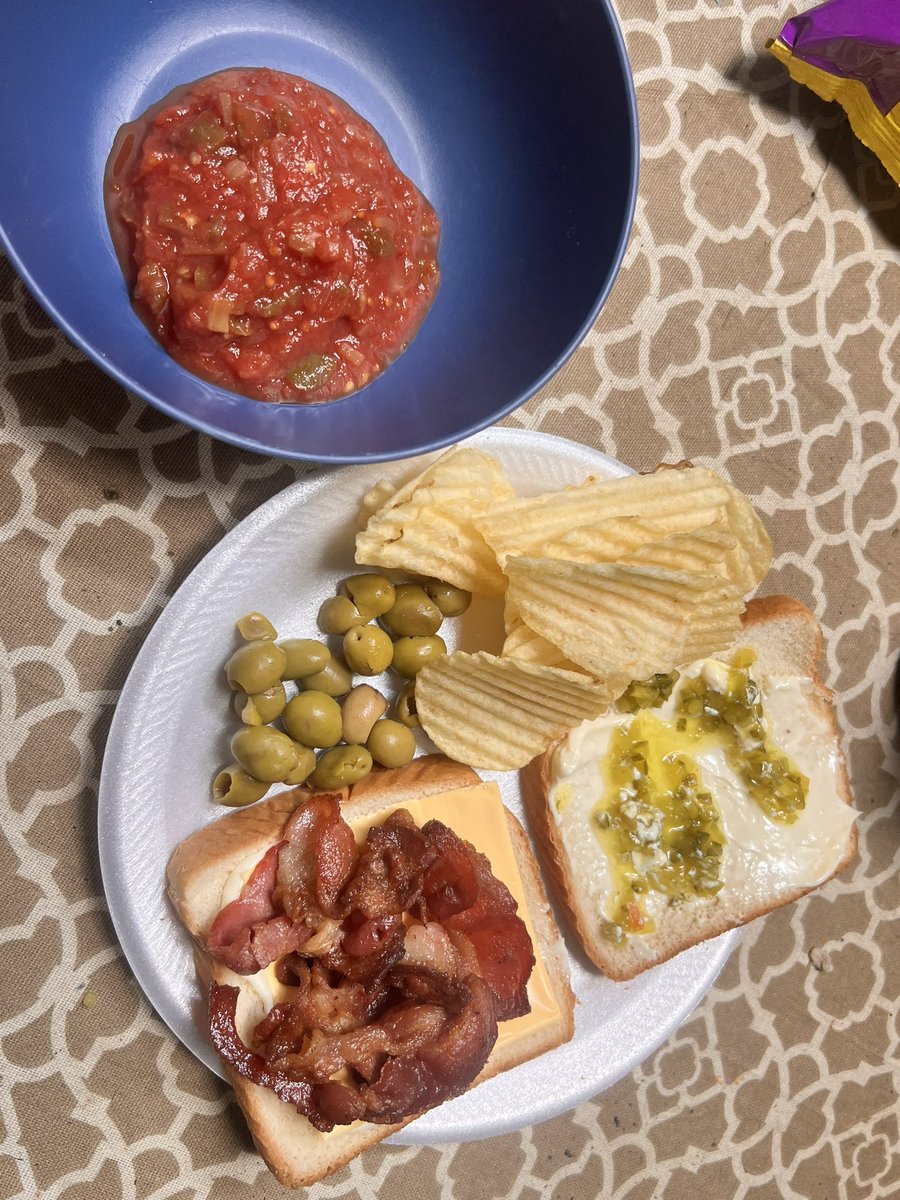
334, 679
372, 594
412, 653
235, 788
304, 656
254, 625
368, 649
313, 719
391, 744
255, 666
261, 708
337, 614
405, 707
264, 753
452, 601
305, 766
360, 709
341, 766
413, 613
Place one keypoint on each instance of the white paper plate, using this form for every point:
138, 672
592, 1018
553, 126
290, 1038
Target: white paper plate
170, 734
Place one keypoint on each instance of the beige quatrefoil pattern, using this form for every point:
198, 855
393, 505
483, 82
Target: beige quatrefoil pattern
755, 327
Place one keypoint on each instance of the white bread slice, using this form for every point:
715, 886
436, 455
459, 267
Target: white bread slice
295, 1152
788, 642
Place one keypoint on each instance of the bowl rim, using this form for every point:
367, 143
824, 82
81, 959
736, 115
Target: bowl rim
134, 387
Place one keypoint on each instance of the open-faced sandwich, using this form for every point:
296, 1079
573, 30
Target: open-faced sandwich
705, 798
368, 954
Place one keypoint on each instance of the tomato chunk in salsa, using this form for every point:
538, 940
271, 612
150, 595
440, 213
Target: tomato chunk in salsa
272, 244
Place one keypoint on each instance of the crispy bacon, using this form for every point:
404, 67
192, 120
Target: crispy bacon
406, 1012
505, 962
361, 1050
417, 1056
389, 876
337, 1105
368, 947
317, 860
496, 932
319, 1004
429, 945
450, 883
228, 1044
438, 949
433, 1067
248, 933
364, 937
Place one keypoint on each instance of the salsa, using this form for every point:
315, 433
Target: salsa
271, 243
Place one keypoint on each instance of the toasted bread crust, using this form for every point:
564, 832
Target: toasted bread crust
295, 1153
796, 635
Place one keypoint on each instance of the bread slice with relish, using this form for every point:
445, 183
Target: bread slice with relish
764, 860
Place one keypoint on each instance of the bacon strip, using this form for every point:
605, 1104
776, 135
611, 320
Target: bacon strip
388, 878
430, 1072
248, 933
450, 884
498, 935
316, 862
408, 1015
228, 1044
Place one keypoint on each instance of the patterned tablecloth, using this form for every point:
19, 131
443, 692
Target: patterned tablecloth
756, 328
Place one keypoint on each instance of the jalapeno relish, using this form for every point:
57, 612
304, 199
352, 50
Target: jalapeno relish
658, 826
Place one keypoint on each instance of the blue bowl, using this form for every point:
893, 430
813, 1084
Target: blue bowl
518, 122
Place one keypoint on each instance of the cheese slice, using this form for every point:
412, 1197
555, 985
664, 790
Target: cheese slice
476, 814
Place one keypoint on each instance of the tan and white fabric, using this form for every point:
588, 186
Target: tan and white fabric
755, 328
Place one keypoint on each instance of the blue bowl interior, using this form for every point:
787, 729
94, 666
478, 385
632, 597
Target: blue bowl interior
517, 121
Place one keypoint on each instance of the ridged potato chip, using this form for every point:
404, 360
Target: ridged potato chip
428, 526
754, 544
625, 622
606, 541
376, 497
710, 549
603, 583
498, 713
675, 499
525, 645
589, 523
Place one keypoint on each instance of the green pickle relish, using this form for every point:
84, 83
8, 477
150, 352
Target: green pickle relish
658, 826
647, 693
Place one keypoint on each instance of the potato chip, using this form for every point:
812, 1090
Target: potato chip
525, 645
498, 713
427, 526
754, 544
673, 500
625, 622
607, 541
748, 563
709, 549
511, 616
376, 497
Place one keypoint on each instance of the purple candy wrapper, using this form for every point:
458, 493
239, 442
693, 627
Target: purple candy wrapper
858, 39
849, 51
